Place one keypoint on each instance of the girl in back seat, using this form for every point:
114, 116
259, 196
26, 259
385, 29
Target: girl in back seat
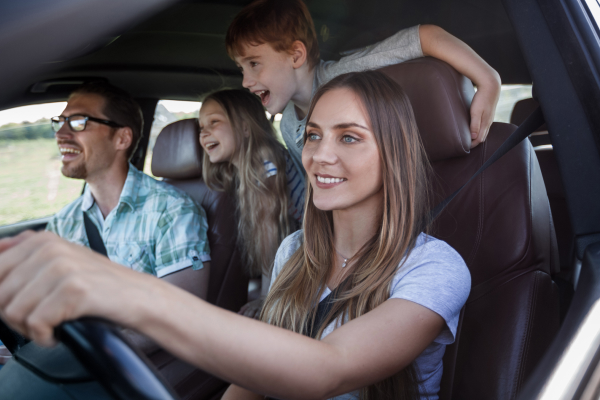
362, 302
246, 159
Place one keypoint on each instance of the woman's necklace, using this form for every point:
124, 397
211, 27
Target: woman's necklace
344, 258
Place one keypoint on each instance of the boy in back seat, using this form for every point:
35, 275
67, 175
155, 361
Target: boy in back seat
275, 46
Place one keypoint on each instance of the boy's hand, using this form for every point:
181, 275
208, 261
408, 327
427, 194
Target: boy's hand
440, 44
482, 111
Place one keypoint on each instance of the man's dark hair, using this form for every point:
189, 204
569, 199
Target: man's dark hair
119, 107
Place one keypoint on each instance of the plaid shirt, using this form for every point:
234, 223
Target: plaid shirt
155, 228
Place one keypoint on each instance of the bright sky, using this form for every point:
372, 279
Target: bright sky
31, 113
181, 106
49, 110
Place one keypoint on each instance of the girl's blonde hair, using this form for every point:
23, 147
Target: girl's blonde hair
291, 301
262, 202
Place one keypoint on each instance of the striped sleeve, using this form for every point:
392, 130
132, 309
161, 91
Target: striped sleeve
296, 189
295, 184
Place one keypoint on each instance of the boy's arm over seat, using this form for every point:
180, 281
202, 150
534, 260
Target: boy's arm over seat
428, 40
438, 43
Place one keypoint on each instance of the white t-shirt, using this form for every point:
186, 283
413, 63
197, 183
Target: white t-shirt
434, 276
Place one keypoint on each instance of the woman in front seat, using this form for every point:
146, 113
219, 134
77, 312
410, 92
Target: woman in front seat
397, 292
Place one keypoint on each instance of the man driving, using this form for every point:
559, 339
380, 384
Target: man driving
144, 224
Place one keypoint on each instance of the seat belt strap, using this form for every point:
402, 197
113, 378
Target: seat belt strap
322, 311
534, 121
93, 236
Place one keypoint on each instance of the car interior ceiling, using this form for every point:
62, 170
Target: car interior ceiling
178, 53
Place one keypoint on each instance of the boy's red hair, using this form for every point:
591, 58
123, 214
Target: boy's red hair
276, 22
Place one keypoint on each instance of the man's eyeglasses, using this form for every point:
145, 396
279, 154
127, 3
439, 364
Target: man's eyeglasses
77, 122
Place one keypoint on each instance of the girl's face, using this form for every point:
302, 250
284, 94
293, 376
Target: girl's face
216, 135
341, 156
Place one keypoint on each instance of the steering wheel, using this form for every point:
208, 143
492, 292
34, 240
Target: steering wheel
119, 367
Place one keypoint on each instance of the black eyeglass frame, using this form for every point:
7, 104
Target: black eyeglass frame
86, 118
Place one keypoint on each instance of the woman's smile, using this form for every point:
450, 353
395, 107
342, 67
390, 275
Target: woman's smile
325, 181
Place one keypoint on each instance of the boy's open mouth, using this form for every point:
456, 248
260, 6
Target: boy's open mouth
265, 95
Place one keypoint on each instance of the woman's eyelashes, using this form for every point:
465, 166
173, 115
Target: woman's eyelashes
346, 139
313, 136
349, 139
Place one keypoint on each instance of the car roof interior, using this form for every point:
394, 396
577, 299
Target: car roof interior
178, 52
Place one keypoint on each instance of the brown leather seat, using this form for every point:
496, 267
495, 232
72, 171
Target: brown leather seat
521, 110
501, 225
554, 184
178, 159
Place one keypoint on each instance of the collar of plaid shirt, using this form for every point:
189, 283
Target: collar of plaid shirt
129, 193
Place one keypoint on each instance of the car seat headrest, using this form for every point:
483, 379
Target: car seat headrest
522, 110
441, 100
177, 152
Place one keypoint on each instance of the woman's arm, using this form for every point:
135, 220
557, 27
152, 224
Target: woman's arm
193, 281
438, 43
237, 393
45, 280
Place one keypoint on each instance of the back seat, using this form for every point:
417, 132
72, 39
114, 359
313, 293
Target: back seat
178, 159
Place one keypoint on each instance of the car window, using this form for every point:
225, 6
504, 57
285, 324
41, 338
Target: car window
31, 185
593, 8
168, 111
509, 96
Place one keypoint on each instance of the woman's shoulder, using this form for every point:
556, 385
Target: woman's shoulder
429, 247
288, 246
291, 243
435, 260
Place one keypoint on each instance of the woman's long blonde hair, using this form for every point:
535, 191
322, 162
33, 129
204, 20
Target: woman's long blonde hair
291, 301
262, 202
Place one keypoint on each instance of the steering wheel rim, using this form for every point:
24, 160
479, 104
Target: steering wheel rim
118, 366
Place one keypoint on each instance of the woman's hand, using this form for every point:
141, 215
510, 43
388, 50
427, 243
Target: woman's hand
45, 280
253, 308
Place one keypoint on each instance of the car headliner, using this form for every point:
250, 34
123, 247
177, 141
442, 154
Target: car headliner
179, 53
